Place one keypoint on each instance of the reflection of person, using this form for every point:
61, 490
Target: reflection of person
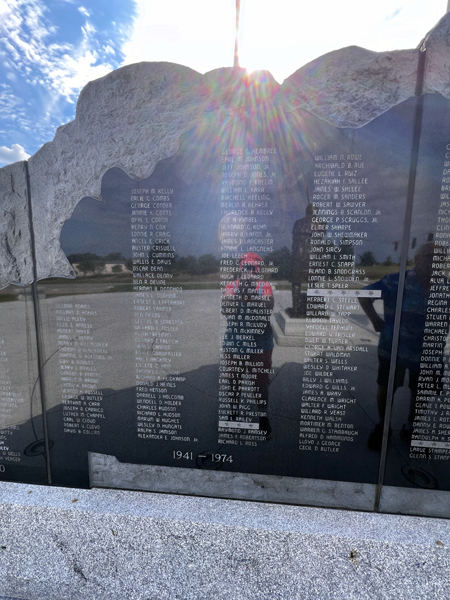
301, 248
414, 311
248, 343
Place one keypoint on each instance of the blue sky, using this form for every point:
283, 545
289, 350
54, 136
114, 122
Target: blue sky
50, 49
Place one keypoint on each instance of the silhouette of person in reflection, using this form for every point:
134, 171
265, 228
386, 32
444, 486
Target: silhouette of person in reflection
412, 325
301, 249
248, 303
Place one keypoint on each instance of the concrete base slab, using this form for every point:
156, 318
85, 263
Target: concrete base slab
61, 544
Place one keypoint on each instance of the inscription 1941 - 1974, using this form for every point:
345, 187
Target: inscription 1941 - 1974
250, 301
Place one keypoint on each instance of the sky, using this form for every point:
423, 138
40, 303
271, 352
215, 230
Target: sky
50, 49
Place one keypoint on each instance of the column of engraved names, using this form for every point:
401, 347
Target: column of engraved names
338, 225
10, 401
245, 201
81, 356
155, 329
431, 427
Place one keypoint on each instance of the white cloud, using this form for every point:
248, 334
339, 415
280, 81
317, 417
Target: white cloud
10, 104
13, 154
394, 14
61, 67
84, 11
3, 7
88, 28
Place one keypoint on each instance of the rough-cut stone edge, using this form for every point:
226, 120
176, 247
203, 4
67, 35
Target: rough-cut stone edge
347, 88
16, 262
352, 86
137, 111
437, 69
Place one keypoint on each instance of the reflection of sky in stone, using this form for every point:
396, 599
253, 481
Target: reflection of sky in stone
434, 138
195, 175
101, 227
385, 144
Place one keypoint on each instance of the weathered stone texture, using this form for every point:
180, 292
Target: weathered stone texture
352, 86
16, 265
134, 117
131, 118
437, 70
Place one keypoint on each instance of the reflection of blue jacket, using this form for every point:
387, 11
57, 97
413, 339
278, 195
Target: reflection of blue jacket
412, 324
249, 330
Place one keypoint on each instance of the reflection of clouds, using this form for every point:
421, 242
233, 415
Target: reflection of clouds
430, 168
196, 173
98, 227
385, 146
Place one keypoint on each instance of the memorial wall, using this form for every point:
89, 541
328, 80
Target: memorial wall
237, 288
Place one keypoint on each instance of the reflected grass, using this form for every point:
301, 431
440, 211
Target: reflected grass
108, 284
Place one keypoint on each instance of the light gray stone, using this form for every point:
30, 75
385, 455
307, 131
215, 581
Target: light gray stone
414, 501
134, 117
62, 544
106, 471
291, 326
437, 78
352, 86
16, 263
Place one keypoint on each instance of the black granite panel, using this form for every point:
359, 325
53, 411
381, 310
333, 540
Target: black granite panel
22, 446
176, 344
419, 447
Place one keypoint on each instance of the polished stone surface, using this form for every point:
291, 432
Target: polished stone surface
433, 503
107, 472
349, 118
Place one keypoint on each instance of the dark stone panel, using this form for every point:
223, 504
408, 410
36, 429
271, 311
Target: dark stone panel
22, 447
146, 356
